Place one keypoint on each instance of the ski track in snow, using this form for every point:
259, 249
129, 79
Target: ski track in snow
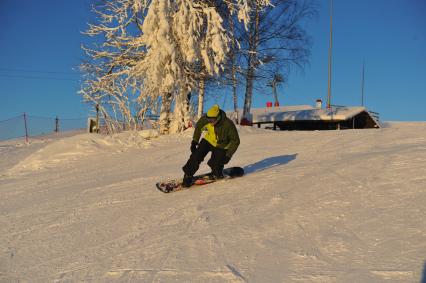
333, 206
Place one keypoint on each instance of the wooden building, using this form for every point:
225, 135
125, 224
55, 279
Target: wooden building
305, 117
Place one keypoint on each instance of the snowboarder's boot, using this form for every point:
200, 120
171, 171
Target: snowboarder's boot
216, 175
187, 181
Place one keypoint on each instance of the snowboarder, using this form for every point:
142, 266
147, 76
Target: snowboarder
220, 138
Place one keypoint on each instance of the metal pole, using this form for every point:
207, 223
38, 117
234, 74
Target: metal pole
329, 55
26, 127
57, 124
362, 89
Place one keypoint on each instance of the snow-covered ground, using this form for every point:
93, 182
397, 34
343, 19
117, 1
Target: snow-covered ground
323, 206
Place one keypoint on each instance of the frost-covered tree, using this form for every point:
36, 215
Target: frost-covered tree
183, 37
108, 82
153, 50
178, 36
274, 40
276, 80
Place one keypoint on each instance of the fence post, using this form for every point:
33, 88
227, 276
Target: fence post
26, 126
97, 119
56, 124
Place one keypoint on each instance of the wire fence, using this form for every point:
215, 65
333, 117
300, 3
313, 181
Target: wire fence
26, 126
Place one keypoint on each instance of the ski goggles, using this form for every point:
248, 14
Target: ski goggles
213, 119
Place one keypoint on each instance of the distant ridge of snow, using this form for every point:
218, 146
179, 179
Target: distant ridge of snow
402, 124
73, 147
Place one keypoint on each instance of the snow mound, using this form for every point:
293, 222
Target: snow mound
80, 146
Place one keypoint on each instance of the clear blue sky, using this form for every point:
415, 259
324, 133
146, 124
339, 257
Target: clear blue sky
40, 51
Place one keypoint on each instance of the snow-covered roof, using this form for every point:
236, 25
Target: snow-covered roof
303, 113
335, 114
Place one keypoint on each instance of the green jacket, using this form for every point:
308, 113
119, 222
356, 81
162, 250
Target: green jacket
222, 135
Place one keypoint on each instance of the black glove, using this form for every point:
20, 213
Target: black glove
194, 145
226, 159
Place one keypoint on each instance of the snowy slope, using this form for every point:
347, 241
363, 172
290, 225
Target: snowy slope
329, 206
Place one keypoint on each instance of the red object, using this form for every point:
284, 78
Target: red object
277, 104
269, 104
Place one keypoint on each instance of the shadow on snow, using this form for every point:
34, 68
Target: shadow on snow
423, 280
268, 163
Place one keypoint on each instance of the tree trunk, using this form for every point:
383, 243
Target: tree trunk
274, 89
234, 95
201, 90
252, 61
181, 117
164, 120
233, 70
249, 89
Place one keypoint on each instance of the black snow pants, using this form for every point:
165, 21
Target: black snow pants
215, 162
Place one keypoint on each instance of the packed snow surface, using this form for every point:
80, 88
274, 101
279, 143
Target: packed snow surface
319, 206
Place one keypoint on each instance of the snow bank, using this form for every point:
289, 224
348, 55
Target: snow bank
77, 147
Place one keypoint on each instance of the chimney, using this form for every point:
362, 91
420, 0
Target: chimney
318, 103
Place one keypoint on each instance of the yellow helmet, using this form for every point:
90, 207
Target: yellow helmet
213, 112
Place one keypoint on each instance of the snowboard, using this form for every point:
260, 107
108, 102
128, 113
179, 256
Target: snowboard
199, 180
